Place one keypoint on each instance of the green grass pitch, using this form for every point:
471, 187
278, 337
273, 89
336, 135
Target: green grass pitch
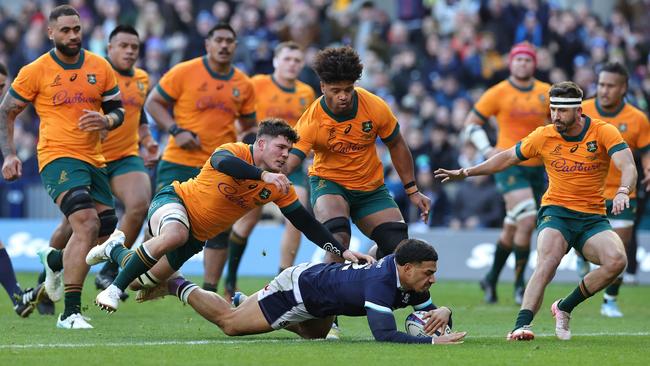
165, 332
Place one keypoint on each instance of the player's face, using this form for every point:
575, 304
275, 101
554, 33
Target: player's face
338, 95
3, 84
611, 89
565, 118
65, 32
420, 276
275, 151
288, 63
123, 50
522, 67
221, 46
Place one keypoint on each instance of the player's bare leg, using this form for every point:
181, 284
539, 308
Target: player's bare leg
290, 242
551, 247
134, 190
609, 308
237, 242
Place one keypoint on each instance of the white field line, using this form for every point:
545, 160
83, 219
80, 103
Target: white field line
260, 341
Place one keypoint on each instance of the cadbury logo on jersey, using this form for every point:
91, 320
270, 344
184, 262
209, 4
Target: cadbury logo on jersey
566, 166
62, 97
207, 102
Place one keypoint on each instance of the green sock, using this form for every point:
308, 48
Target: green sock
236, 246
136, 265
500, 256
578, 295
120, 255
612, 290
521, 260
55, 260
72, 300
525, 317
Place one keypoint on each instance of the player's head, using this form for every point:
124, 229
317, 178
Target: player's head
612, 85
274, 140
566, 104
417, 263
220, 43
522, 60
338, 70
64, 29
123, 47
288, 60
4, 75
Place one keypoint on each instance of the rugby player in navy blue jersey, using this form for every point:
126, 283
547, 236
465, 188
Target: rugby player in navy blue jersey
305, 298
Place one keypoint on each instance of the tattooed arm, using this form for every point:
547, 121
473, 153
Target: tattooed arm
9, 109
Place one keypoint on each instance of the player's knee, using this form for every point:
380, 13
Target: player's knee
107, 222
172, 239
339, 224
137, 209
76, 199
87, 223
616, 262
387, 236
218, 242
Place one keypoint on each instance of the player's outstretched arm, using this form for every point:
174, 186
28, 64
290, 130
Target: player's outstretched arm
225, 162
9, 109
318, 234
493, 165
382, 325
624, 161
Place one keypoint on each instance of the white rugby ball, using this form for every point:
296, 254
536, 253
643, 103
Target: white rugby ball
414, 325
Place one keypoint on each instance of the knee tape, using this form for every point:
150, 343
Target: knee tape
521, 210
387, 236
172, 215
147, 280
76, 199
107, 222
338, 225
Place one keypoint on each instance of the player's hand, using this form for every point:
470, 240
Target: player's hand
187, 140
450, 175
437, 319
620, 203
150, 153
451, 338
356, 257
12, 168
278, 179
92, 121
423, 203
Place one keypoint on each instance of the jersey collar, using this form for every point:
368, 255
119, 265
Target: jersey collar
343, 116
216, 75
66, 66
582, 133
283, 88
129, 72
604, 113
527, 89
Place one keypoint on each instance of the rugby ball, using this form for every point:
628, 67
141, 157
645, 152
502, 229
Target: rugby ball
414, 325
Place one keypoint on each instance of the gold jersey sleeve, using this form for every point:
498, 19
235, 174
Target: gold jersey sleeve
207, 104
344, 145
214, 200
60, 93
633, 126
576, 165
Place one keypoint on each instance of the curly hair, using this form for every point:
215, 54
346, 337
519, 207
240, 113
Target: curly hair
339, 64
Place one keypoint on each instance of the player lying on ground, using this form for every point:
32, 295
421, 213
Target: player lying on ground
236, 179
305, 298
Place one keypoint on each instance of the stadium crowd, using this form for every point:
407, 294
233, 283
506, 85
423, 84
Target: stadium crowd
429, 59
